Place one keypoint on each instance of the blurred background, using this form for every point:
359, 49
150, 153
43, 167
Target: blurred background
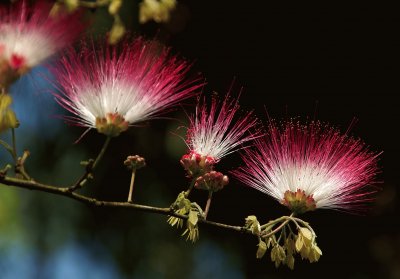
292, 62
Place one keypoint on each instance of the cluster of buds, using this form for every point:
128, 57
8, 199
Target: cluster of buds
201, 169
212, 181
196, 164
7, 116
135, 162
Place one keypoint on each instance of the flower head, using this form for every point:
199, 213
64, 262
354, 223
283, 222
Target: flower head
29, 35
112, 88
310, 166
213, 134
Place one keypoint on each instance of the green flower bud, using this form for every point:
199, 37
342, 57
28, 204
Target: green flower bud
262, 248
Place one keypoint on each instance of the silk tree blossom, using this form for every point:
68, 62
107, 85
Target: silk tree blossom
310, 166
29, 35
214, 133
117, 86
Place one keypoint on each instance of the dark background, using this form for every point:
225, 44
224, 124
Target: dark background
332, 64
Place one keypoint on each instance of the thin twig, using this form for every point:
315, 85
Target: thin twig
90, 167
64, 191
131, 185
20, 167
276, 230
273, 222
7, 147
14, 146
190, 187
208, 204
102, 151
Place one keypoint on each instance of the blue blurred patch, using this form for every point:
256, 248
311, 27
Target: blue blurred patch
212, 261
35, 106
71, 260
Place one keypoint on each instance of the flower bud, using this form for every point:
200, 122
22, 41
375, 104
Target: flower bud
211, 181
196, 164
135, 162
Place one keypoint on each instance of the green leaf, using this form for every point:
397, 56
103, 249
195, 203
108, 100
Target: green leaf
253, 225
315, 254
307, 235
262, 248
114, 7
193, 218
290, 261
274, 254
290, 245
251, 219
305, 252
117, 31
281, 253
299, 243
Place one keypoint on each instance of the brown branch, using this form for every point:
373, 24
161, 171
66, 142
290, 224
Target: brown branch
65, 191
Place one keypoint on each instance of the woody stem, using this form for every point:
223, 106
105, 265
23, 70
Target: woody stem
190, 187
208, 204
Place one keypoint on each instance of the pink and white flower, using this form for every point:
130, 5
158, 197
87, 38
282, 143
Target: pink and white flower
112, 88
29, 35
310, 166
213, 133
